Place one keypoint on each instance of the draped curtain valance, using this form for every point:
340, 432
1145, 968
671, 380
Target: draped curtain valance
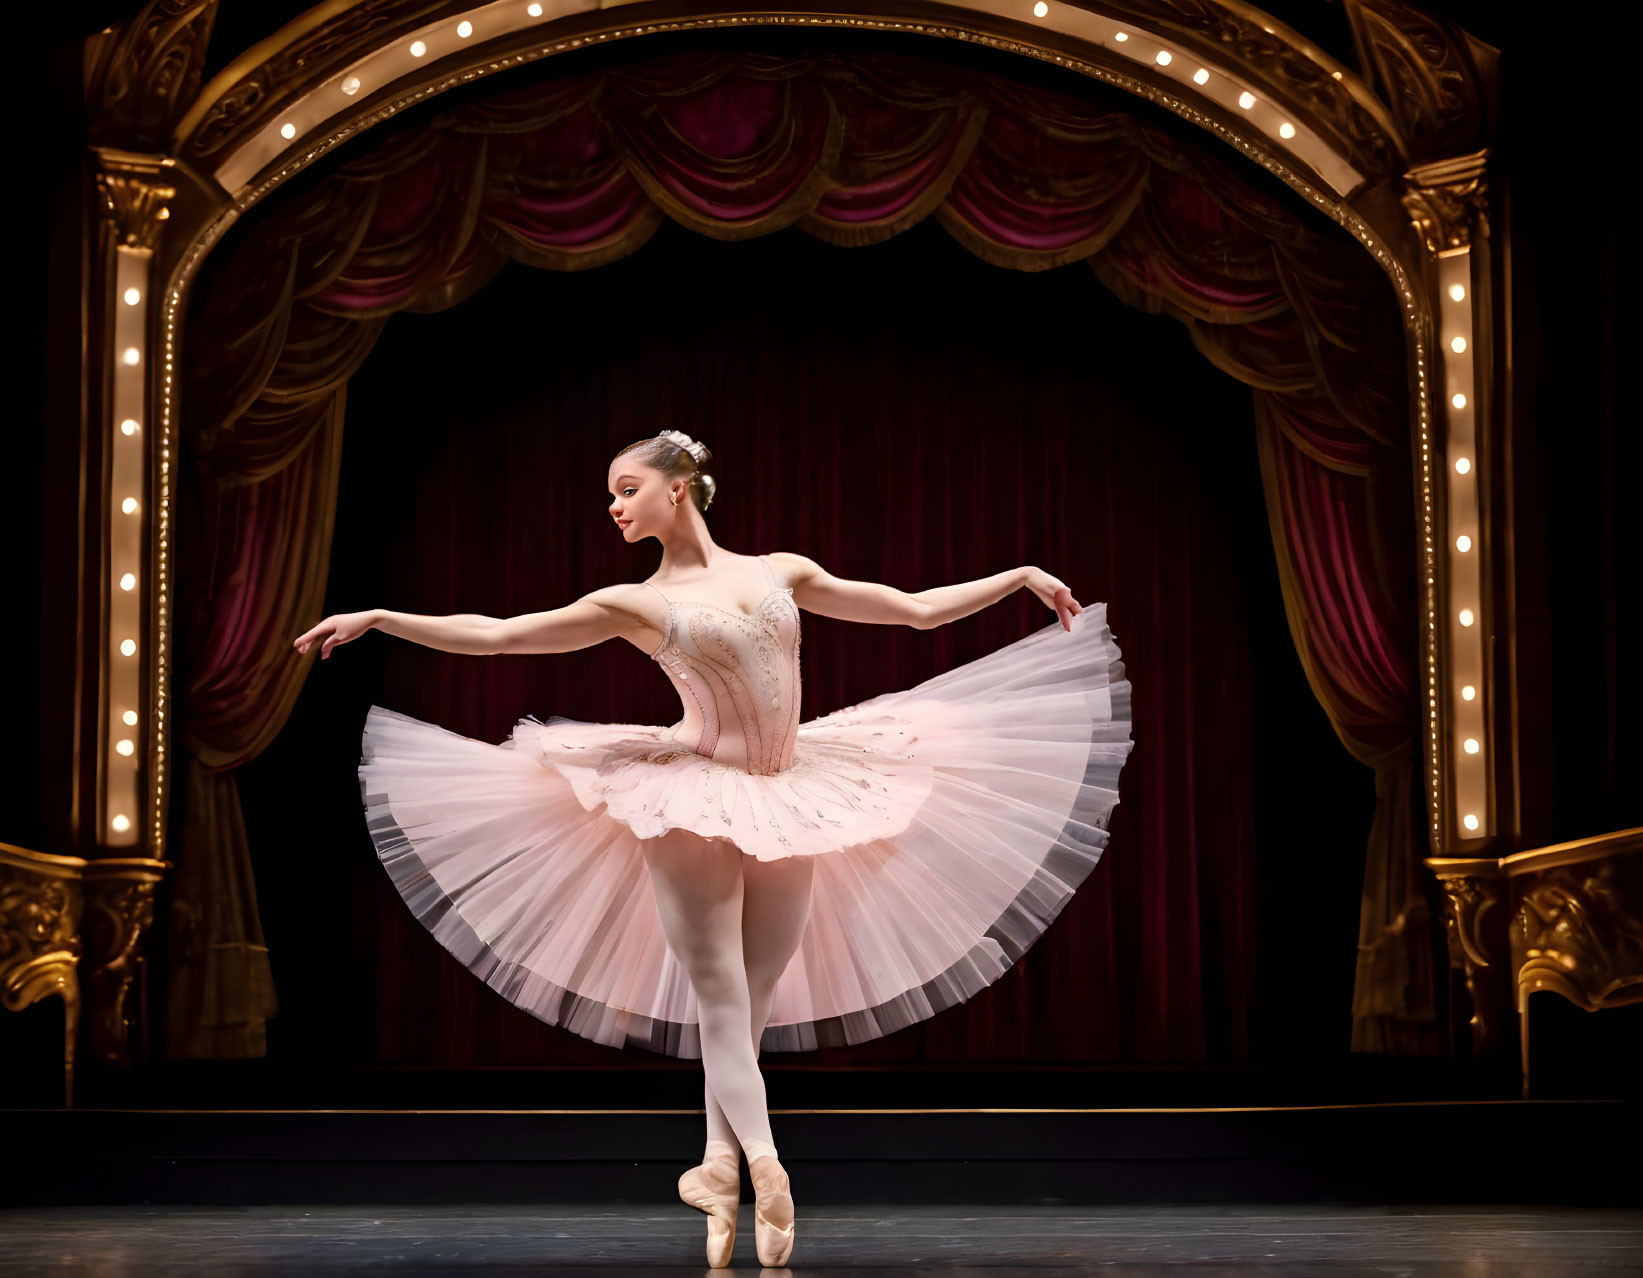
576, 172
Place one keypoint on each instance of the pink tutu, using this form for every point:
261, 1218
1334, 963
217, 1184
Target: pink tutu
950, 823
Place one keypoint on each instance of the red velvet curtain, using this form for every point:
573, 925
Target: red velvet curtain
577, 172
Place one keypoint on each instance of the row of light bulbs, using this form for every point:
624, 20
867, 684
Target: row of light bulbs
1470, 777
351, 85
1163, 57
127, 469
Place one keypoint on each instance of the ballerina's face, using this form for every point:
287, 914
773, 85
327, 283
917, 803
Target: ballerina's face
639, 499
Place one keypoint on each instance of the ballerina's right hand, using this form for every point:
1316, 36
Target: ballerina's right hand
336, 629
1056, 594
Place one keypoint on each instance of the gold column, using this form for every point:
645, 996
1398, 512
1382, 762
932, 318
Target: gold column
1446, 202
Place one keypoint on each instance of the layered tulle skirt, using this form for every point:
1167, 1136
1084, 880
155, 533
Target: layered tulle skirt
950, 823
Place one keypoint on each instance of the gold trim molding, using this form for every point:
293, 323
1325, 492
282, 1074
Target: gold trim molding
1281, 64
69, 927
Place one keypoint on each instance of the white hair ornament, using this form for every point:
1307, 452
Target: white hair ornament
685, 442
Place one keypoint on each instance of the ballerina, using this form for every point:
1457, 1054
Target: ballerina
743, 881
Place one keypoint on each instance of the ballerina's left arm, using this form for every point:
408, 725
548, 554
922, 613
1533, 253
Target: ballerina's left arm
817, 590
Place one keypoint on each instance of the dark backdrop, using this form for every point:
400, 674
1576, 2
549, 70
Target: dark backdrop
903, 413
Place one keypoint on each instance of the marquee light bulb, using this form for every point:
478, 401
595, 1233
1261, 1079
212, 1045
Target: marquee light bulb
1458, 345
1463, 543
1470, 821
127, 647
1468, 693
1246, 100
1466, 617
1462, 465
133, 296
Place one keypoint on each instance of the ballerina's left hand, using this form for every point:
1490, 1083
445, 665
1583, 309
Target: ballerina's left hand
1056, 594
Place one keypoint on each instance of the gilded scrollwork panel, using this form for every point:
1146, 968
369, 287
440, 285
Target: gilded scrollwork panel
141, 74
1431, 75
1566, 919
1578, 930
69, 925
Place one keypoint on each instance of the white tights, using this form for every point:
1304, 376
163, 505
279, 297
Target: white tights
733, 922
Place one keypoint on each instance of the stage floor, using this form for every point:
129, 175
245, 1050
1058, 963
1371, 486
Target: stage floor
1420, 1241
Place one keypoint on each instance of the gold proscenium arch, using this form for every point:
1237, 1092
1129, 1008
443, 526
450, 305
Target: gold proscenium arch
1380, 153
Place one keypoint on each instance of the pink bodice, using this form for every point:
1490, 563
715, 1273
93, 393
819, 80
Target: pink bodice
737, 677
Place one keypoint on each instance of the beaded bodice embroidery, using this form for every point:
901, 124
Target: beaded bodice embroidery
737, 676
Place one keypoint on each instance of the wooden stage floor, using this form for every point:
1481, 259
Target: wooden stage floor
842, 1241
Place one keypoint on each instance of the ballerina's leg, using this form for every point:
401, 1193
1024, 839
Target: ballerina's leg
775, 910
698, 888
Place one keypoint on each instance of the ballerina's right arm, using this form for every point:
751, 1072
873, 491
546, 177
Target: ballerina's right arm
609, 613
595, 617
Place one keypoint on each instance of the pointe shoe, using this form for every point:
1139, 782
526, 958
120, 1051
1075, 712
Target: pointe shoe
772, 1203
716, 1188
